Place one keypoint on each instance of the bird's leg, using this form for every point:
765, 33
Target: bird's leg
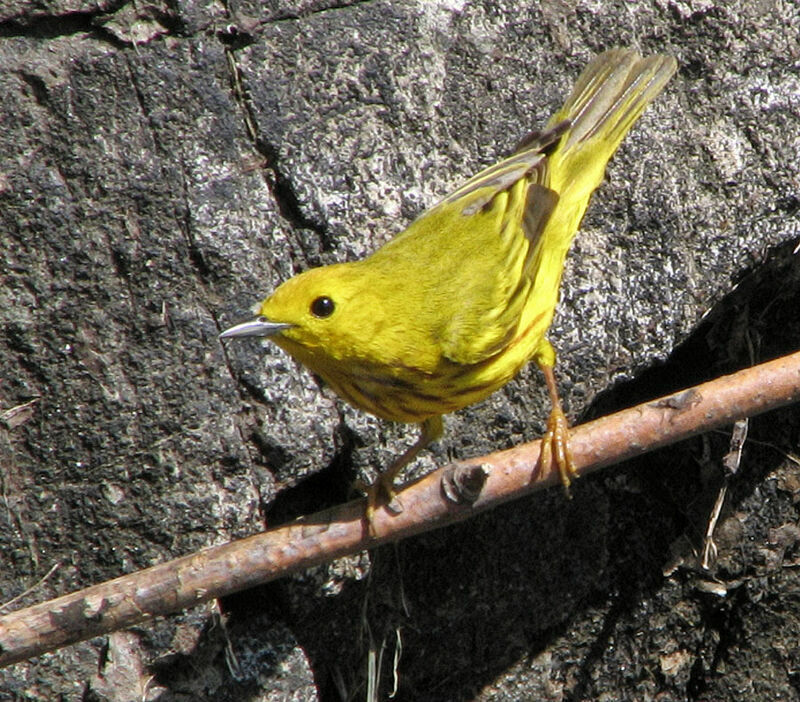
431, 429
555, 442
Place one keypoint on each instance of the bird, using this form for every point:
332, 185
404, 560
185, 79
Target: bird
453, 307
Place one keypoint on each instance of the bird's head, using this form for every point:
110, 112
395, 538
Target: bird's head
322, 315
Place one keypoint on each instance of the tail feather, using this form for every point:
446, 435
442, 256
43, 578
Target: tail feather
608, 98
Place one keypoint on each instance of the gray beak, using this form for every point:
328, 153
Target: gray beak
255, 327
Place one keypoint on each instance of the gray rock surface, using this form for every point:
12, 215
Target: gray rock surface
164, 165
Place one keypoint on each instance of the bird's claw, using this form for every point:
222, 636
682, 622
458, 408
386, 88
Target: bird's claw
383, 487
556, 449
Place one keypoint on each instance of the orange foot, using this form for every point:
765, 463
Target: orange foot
431, 429
555, 448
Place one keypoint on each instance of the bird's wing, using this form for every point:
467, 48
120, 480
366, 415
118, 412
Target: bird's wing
490, 227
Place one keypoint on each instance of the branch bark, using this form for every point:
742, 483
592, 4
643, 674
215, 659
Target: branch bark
450, 494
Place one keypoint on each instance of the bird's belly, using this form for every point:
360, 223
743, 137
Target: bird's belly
410, 395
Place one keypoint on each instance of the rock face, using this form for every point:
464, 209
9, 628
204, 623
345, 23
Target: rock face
163, 166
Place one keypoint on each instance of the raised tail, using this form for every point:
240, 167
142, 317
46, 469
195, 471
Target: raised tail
608, 98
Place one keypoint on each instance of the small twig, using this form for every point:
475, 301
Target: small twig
222, 570
36, 585
731, 463
14, 416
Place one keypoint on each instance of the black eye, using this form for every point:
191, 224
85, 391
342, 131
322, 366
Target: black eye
322, 307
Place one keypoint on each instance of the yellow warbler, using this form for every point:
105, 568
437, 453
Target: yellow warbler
452, 308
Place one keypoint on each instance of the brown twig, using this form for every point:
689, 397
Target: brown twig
450, 494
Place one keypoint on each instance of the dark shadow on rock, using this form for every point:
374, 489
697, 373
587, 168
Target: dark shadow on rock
325, 488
